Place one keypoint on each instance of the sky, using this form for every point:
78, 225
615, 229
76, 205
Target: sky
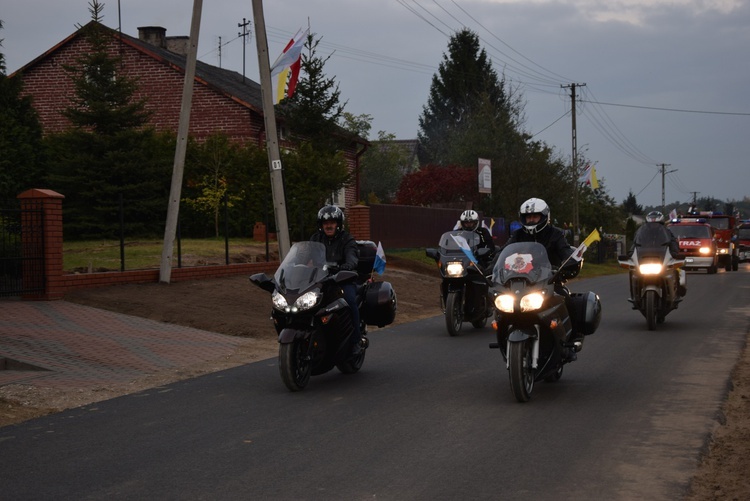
661, 85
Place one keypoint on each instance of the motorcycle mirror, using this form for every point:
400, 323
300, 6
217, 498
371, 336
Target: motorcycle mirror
263, 281
433, 253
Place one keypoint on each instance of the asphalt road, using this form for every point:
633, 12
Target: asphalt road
428, 417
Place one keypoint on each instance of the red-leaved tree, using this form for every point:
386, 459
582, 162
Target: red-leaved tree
437, 184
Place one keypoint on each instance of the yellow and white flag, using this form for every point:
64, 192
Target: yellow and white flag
593, 237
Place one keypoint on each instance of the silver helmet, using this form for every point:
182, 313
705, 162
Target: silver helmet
534, 206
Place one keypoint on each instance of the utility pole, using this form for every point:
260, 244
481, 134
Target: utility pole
272, 141
173, 210
576, 174
244, 34
664, 173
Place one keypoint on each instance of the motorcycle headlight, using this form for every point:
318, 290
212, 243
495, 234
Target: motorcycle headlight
723, 250
279, 301
650, 269
531, 302
705, 250
454, 269
307, 300
504, 303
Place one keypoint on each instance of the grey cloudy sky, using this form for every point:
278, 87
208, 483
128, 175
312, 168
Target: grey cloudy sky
665, 80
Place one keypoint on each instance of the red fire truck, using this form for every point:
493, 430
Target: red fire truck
725, 234
697, 242
743, 240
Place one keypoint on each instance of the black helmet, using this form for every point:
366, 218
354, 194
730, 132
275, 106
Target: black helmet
534, 206
469, 220
655, 217
331, 212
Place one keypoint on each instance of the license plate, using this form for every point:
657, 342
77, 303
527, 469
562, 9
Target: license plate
688, 259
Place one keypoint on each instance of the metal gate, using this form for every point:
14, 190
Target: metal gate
21, 248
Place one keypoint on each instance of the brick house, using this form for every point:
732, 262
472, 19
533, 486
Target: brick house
223, 100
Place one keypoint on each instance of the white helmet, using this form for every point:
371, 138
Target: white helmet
655, 217
469, 220
534, 206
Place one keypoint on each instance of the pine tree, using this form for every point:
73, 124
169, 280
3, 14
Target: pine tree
21, 161
317, 168
109, 155
314, 111
465, 86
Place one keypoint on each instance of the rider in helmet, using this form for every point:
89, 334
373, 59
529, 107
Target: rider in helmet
469, 221
341, 248
534, 215
655, 220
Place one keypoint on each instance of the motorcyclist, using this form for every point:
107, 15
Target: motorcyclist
469, 221
655, 220
534, 216
341, 248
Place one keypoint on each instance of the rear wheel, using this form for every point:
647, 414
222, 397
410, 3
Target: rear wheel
735, 263
294, 365
454, 313
711, 269
519, 370
651, 309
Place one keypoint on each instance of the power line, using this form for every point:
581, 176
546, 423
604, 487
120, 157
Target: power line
670, 109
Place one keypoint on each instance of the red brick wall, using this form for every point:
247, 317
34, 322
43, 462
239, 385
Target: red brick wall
159, 83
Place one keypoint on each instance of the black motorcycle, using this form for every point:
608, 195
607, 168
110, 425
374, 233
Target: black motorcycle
311, 316
540, 324
464, 291
654, 280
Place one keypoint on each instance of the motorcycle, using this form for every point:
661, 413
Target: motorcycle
311, 316
654, 275
464, 291
540, 325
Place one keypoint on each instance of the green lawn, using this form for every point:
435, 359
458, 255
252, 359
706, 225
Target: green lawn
100, 255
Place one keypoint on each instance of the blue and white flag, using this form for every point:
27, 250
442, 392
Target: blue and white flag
379, 264
464, 246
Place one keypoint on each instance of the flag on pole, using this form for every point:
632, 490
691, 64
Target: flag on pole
287, 65
593, 237
464, 246
588, 177
673, 214
379, 264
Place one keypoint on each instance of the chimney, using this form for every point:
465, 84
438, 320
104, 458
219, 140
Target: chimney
155, 35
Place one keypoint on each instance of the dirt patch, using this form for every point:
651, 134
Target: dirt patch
213, 305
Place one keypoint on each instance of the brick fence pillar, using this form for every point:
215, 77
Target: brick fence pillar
51, 205
359, 221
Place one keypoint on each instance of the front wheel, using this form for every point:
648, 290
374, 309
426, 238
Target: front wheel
454, 313
294, 365
651, 309
520, 371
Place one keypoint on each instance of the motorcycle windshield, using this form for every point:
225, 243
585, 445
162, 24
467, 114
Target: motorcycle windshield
652, 239
527, 260
302, 267
449, 243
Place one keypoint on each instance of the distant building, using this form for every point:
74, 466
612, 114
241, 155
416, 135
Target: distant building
223, 100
